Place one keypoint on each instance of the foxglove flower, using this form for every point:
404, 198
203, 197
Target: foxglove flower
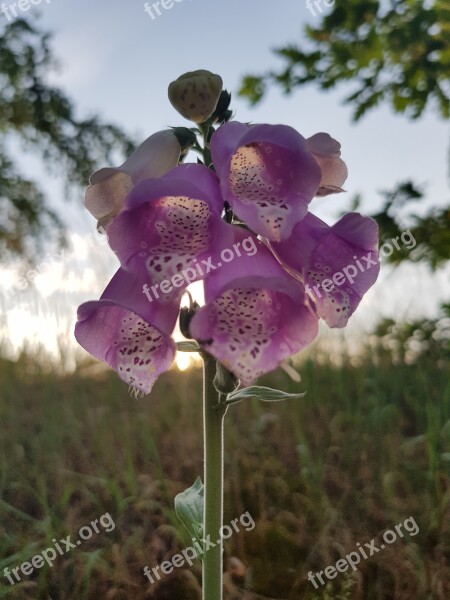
171, 226
327, 152
267, 175
130, 334
337, 264
153, 158
256, 315
172, 223
165, 224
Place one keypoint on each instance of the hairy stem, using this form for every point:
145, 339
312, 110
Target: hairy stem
213, 501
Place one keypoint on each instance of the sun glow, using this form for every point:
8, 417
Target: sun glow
184, 361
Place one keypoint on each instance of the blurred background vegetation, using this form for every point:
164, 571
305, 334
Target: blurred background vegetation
43, 119
368, 447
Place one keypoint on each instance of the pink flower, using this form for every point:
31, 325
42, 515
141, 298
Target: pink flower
267, 175
337, 264
109, 186
127, 332
327, 152
261, 307
256, 315
170, 224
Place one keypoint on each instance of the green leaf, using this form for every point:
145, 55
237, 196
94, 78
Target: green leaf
189, 508
188, 347
262, 393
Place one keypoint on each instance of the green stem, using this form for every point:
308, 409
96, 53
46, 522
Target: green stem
213, 500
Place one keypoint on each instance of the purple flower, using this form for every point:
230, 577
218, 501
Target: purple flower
169, 225
153, 158
256, 315
337, 264
327, 152
127, 332
167, 229
267, 175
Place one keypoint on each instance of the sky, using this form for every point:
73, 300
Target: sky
116, 61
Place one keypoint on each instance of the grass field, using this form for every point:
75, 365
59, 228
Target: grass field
367, 448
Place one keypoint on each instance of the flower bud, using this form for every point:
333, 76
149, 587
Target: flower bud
186, 315
224, 381
195, 95
186, 138
222, 114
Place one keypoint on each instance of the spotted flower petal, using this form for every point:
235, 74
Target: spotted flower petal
327, 152
155, 157
170, 225
267, 175
129, 333
337, 264
255, 316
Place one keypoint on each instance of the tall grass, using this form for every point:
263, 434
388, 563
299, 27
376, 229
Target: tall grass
368, 447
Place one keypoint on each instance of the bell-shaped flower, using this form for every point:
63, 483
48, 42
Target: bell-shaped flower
129, 333
153, 158
337, 264
327, 152
256, 315
267, 175
170, 228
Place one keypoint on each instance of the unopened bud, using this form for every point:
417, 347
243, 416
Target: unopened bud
224, 381
186, 138
222, 114
186, 315
195, 95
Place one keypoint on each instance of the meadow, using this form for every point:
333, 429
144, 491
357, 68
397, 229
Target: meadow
365, 449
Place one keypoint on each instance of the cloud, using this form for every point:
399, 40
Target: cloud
83, 56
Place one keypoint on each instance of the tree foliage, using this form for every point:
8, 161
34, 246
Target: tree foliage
391, 51
43, 119
397, 51
431, 231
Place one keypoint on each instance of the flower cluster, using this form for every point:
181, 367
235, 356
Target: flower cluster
162, 216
